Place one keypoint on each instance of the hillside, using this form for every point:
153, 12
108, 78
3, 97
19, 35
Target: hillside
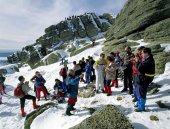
142, 19
75, 32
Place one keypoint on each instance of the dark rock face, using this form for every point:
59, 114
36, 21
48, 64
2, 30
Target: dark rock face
81, 26
108, 117
145, 18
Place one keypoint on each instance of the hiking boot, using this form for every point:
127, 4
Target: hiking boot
116, 86
124, 90
23, 114
137, 110
109, 94
134, 100
68, 113
97, 91
130, 92
103, 91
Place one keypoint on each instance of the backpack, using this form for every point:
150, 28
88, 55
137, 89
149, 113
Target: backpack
18, 92
62, 72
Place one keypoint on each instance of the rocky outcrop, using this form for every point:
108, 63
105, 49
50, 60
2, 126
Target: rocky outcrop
147, 19
87, 25
142, 19
81, 26
109, 117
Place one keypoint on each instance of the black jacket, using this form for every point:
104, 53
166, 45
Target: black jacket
146, 67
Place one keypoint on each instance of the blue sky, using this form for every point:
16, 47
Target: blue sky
23, 21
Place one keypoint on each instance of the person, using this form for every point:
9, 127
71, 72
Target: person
92, 76
2, 80
72, 83
88, 71
146, 73
25, 88
112, 55
39, 83
1, 92
128, 71
93, 43
33, 80
136, 62
77, 68
63, 72
99, 67
59, 91
83, 64
110, 74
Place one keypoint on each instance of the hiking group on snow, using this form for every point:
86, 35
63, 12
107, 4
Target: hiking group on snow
138, 70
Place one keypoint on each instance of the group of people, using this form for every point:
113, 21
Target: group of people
138, 69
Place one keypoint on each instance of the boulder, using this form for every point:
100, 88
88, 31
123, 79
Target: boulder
109, 117
31, 116
140, 15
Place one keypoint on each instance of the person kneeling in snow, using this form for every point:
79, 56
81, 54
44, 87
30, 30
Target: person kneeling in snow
23, 85
59, 91
72, 84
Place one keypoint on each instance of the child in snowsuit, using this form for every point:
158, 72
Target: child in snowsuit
110, 74
99, 67
72, 83
2, 80
59, 91
39, 83
25, 88
88, 71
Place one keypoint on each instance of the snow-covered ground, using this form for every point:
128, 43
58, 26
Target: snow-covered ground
53, 118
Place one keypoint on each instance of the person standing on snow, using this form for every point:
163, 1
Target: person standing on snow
25, 88
87, 71
136, 62
110, 74
1, 92
39, 83
99, 67
77, 68
2, 80
128, 71
72, 85
144, 78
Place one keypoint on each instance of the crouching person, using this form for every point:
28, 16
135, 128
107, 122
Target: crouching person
72, 85
146, 73
59, 91
22, 92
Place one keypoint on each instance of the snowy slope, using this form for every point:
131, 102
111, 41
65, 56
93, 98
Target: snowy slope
53, 118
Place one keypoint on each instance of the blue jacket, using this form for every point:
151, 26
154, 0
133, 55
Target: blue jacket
88, 68
59, 87
39, 82
72, 88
